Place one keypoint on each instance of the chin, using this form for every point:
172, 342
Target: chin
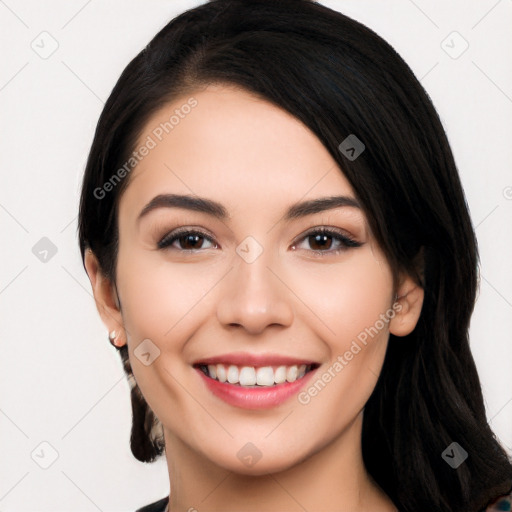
260, 463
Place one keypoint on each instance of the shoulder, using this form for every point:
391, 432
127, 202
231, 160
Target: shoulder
157, 506
501, 504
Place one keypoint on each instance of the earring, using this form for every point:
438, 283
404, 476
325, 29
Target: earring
112, 337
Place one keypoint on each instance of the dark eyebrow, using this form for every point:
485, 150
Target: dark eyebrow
217, 210
321, 204
194, 203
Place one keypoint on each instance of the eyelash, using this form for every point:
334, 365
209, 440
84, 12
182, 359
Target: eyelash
345, 241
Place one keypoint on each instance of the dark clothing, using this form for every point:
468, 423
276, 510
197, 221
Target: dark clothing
502, 504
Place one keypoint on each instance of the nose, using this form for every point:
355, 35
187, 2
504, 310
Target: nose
254, 296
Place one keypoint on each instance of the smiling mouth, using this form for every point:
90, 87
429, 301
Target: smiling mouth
255, 377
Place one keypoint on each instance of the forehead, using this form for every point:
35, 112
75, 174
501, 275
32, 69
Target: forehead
234, 147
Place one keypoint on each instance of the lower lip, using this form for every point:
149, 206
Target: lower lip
254, 398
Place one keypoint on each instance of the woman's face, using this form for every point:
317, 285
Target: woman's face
255, 292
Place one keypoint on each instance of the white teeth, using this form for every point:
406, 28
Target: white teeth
265, 376
251, 376
232, 374
291, 373
221, 373
247, 376
280, 375
212, 370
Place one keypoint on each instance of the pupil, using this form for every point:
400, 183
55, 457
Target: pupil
192, 239
321, 239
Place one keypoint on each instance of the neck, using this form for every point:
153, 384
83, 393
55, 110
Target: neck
332, 478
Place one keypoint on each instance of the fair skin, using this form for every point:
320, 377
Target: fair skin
200, 299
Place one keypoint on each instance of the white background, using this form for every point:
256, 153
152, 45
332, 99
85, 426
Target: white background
61, 382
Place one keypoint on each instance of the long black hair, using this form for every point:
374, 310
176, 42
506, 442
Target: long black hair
339, 78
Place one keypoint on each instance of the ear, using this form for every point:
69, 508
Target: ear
105, 298
407, 307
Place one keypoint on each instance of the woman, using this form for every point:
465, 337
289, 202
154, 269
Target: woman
279, 245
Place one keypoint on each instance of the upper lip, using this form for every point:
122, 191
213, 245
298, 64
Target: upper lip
258, 360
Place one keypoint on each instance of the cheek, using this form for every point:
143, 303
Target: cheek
352, 304
162, 300
348, 297
164, 303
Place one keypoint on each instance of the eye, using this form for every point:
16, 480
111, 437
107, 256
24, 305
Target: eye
322, 240
187, 240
